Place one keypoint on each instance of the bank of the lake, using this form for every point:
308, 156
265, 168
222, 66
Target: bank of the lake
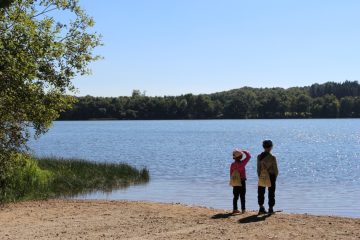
70, 219
47, 177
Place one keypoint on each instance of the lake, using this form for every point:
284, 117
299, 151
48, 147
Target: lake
319, 160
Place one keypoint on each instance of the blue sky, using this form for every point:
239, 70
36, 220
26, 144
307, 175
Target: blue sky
171, 47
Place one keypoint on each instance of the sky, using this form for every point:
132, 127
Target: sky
173, 47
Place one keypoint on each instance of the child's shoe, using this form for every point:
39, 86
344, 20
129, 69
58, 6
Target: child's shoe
262, 210
271, 210
243, 211
236, 212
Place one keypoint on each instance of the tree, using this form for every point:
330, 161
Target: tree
327, 106
246, 102
331, 106
316, 108
204, 108
301, 105
182, 108
346, 107
136, 93
241, 105
39, 56
274, 103
236, 108
357, 107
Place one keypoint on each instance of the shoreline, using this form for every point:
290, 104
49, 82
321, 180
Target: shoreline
101, 219
225, 209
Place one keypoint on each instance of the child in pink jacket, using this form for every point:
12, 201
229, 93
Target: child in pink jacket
239, 165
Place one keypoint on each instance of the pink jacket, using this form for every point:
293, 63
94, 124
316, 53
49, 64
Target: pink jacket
240, 166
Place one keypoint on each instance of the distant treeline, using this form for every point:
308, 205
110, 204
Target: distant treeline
329, 100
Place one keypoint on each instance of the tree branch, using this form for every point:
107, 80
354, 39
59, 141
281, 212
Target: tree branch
45, 11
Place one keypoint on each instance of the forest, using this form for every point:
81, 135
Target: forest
328, 100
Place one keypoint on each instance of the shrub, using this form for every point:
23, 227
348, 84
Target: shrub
25, 180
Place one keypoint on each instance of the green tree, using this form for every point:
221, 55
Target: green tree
357, 107
204, 107
316, 108
346, 107
246, 102
327, 106
39, 56
136, 93
236, 108
301, 105
331, 106
182, 108
273, 103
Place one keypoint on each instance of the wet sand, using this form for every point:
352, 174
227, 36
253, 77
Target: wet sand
78, 219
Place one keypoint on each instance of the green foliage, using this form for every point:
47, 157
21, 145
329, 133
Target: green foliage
25, 180
347, 105
329, 100
340, 90
30, 178
74, 176
39, 56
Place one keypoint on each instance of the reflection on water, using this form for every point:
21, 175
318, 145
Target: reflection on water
189, 160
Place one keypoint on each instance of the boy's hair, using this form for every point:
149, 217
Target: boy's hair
268, 144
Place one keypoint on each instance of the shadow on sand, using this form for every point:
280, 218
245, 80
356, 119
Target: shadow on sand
244, 220
222, 215
254, 218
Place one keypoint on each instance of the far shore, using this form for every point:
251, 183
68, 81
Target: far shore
97, 219
196, 119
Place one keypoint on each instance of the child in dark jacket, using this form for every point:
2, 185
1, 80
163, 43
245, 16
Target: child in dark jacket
267, 170
239, 187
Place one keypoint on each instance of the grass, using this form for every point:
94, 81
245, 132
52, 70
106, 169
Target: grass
49, 177
74, 176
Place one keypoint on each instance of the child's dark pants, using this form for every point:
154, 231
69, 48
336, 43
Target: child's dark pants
239, 191
261, 193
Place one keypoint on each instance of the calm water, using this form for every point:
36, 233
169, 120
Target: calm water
319, 160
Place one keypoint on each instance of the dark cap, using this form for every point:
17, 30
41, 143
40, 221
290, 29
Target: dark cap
267, 144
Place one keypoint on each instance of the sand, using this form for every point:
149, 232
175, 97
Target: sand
74, 219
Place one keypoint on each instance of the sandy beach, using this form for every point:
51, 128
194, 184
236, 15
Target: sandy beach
74, 219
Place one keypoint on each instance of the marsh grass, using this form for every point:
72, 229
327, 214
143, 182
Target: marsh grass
74, 176
49, 177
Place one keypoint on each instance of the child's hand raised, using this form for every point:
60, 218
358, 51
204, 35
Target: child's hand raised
246, 152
